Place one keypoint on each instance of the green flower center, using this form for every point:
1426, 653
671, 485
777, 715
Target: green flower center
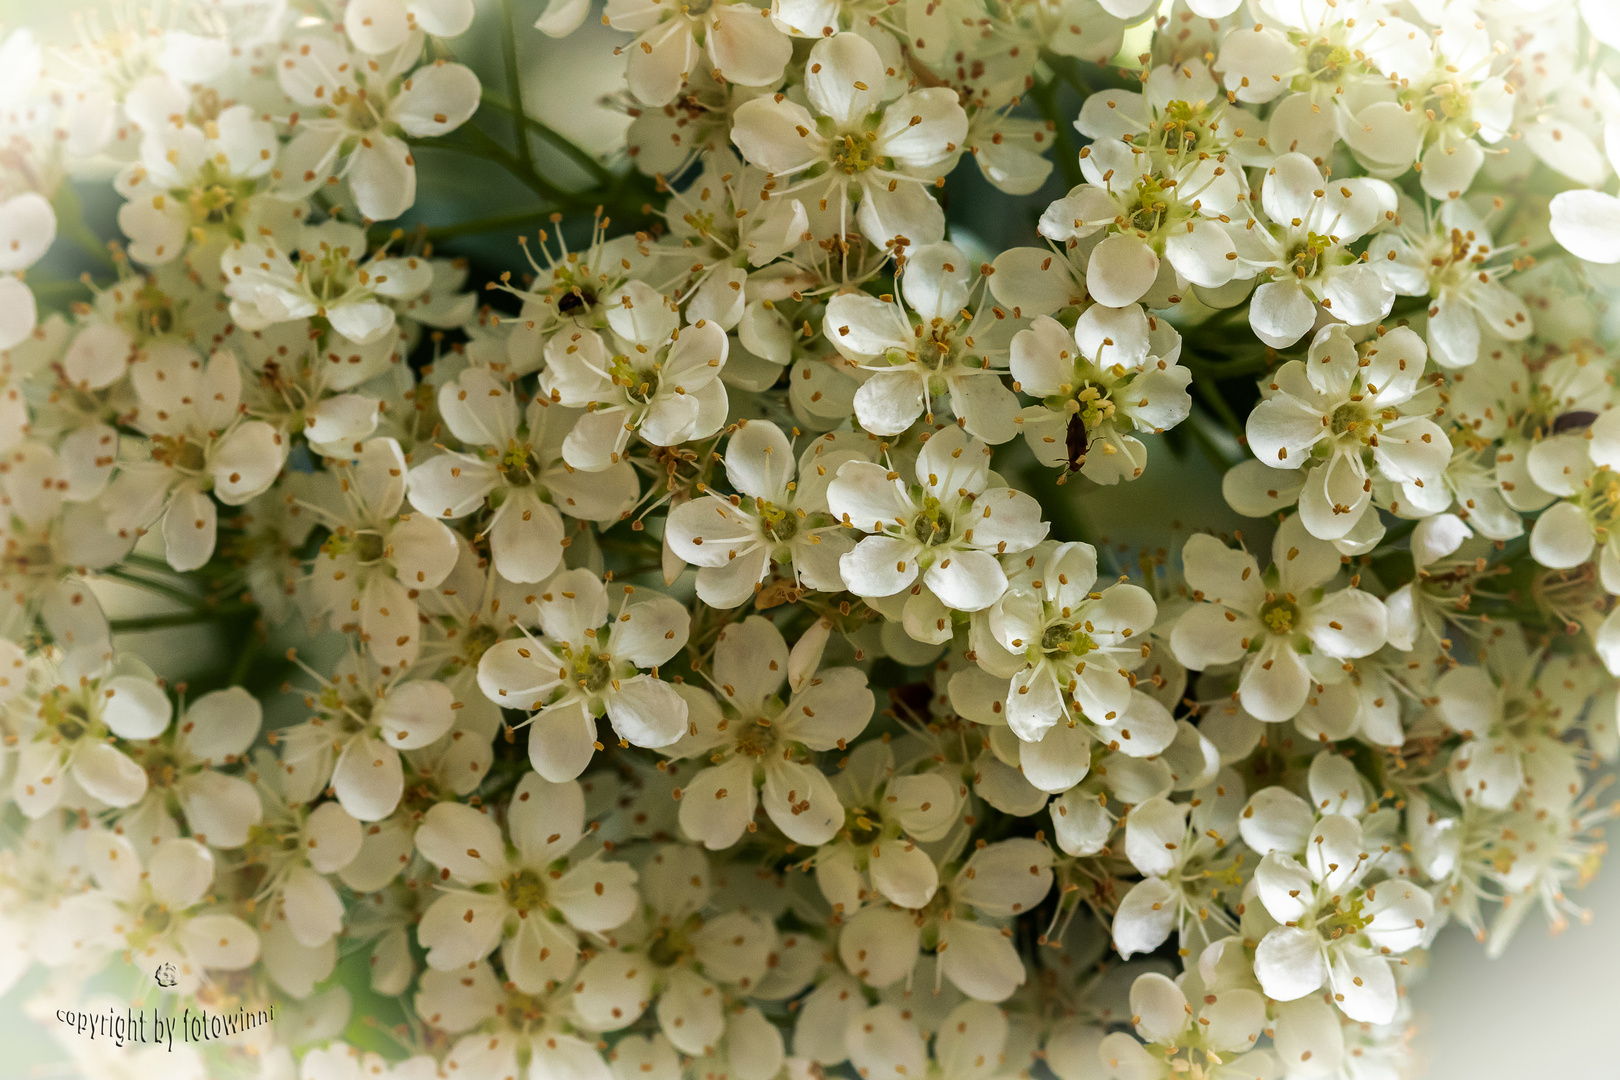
1061, 639
1305, 260
1152, 202
526, 892
782, 525
593, 671
755, 738
669, 946
933, 525
151, 924
1351, 419
1351, 918
1280, 616
1327, 61
518, 464
366, 546
476, 641
67, 718
854, 154
862, 826
178, 452
639, 386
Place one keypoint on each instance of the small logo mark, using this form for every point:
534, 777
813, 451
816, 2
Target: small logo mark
165, 975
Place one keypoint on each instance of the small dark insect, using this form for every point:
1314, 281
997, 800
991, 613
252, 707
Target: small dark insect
1574, 421
572, 302
1076, 442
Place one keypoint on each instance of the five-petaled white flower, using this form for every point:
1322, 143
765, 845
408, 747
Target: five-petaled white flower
587, 662
1283, 624
533, 898
947, 528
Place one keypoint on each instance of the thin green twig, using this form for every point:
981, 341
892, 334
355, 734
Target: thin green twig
1212, 450
70, 224
493, 223
514, 85
1210, 395
244, 661
576, 153
162, 588
177, 618
1064, 154
471, 139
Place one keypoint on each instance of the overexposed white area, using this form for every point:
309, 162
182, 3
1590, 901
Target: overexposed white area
1541, 1011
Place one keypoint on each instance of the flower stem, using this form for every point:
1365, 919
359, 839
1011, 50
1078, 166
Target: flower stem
578, 154
162, 588
1067, 158
1212, 399
514, 85
70, 223
178, 618
492, 223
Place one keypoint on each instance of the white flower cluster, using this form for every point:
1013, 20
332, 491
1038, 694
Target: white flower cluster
694, 664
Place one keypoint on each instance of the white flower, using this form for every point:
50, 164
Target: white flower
340, 1061
160, 909
888, 813
332, 280
1587, 224
1341, 410
381, 26
1009, 150
962, 924
1069, 654
376, 559
971, 1044
1149, 201
944, 350
662, 383
548, 1048
727, 209
1514, 714
1214, 1040
27, 227
514, 465
575, 290
760, 745
533, 901
588, 663
742, 47
1287, 629
1331, 51
198, 443
1188, 858
66, 732
888, 154
1449, 257
1303, 250
948, 527
214, 731
363, 719
354, 110
688, 959
775, 521
1115, 375
194, 184
1582, 468
1466, 106
1332, 927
